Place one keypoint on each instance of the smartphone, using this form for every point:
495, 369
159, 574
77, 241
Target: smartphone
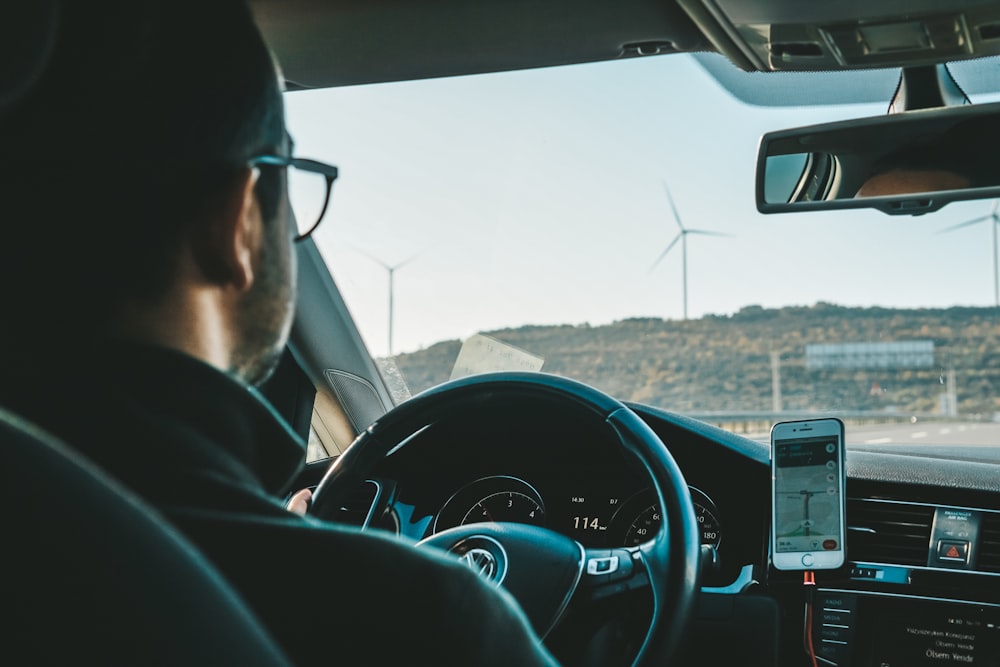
808, 501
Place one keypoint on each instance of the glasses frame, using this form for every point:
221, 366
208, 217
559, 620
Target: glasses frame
328, 171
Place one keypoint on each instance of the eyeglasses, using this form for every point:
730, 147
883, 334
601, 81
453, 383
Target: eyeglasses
309, 185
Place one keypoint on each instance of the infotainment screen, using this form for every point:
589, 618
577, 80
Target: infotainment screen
934, 634
903, 631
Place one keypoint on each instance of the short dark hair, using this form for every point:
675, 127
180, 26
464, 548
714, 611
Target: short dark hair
145, 112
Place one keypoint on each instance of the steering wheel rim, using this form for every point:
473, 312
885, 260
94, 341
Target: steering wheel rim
672, 558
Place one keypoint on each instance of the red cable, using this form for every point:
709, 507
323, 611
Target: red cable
809, 579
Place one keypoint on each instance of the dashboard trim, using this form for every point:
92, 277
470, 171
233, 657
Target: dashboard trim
923, 504
922, 568
743, 581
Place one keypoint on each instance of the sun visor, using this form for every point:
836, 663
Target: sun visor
791, 35
798, 89
782, 89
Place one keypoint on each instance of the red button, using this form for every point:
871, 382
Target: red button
953, 550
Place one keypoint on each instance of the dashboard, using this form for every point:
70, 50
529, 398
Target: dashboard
920, 585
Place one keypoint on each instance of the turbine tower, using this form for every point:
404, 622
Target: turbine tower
995, 217
682, 237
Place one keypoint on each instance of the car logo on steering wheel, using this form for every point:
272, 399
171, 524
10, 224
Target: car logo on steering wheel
482, 562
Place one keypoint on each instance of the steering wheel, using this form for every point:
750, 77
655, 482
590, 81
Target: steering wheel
543, 569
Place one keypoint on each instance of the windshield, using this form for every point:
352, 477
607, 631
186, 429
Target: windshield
598, 221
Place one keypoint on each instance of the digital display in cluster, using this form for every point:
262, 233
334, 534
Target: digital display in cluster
591, 515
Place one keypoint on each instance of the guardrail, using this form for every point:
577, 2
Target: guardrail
761, 421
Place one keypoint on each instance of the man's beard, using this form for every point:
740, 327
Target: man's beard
264, 315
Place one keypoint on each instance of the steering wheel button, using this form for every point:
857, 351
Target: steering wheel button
605, 565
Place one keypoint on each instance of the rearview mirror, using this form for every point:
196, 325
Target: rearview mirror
906, 163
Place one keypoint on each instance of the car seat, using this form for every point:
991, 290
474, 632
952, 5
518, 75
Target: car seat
89, 574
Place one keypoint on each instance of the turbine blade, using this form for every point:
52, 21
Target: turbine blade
665, 251
705, 232
967, 223
677, 216
371, 257
405, 261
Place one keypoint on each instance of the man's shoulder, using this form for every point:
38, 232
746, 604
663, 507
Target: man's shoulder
361, 582
332, 547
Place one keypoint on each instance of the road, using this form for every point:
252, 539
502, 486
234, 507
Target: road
976, 434
972, 434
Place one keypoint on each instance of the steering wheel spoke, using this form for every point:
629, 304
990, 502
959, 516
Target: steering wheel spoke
611, 572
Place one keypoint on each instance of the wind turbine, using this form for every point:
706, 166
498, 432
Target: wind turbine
391, 269
995, 217
682, 237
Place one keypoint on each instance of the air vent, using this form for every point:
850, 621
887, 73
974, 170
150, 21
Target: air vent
888, 532
989, 543
989, 31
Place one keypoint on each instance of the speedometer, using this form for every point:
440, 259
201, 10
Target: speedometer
639, 519
492, 499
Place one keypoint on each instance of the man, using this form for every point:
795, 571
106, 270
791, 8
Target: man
148, 280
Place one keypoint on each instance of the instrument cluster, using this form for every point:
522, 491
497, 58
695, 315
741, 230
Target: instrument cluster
595, 517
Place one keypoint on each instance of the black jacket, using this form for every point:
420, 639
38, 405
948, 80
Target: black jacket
215, 458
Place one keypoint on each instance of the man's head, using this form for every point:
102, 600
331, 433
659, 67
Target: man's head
959, 158
903, 180
129, 204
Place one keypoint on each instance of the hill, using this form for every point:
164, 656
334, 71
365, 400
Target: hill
723, 363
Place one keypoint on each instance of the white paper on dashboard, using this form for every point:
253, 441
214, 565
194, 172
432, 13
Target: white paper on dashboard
483, 354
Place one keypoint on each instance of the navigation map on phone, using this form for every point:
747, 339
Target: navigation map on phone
807, 495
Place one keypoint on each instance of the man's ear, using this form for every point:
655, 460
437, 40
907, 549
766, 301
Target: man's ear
228, 240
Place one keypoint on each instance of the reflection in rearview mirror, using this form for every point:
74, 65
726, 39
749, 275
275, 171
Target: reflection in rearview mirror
906, 163
784, 174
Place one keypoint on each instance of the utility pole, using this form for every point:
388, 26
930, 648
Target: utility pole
996, 266
952, 391
776, 406
684, 268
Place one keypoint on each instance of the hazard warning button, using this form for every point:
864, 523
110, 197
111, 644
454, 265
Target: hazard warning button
950, 550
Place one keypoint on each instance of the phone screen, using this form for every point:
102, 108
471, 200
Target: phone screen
807, 494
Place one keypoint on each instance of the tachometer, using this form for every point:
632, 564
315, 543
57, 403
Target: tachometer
492, 499
639, 519
506, 506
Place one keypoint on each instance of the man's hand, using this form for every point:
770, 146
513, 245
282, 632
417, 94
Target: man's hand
299, 502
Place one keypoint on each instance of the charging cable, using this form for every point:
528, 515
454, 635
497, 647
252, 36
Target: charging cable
809, 584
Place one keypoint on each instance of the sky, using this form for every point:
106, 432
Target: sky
538, 197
